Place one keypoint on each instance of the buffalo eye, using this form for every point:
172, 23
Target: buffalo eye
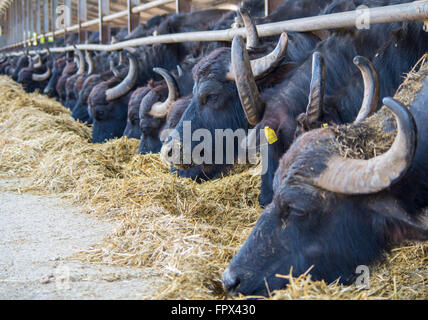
297, 212
134, 119
212, 97
208, 98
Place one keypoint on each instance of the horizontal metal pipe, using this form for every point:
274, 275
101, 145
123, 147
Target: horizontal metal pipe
417, 10
152, 4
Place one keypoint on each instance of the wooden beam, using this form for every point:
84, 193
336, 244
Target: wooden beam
133, 18
67, 16
38, 19
54, 16
104, 29
27, 20
45, 17
183, 5
11, 28
82, 16
19, 32
31, 15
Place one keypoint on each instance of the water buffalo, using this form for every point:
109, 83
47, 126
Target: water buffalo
336, 213
80, 110
156, 103
23, 62
402, 45
108, 102
145, 59
36, 76
132, 129
57, 70
215, 103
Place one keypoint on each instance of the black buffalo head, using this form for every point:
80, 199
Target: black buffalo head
60, 86
132, 129
108, 103
153, 111
23, 62
58, 67
216, 104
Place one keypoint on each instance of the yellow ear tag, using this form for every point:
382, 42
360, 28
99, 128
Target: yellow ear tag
270, 135
325, 125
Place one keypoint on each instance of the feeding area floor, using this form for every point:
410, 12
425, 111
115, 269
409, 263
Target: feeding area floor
38, 233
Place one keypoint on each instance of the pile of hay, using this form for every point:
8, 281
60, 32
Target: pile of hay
185, 230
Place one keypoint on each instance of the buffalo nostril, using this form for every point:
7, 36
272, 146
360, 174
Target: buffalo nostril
230, 282
169, 152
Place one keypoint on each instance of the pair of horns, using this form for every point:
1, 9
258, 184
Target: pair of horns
355, 176
128, 82
245, 72
41, 77
316, 92
161, 109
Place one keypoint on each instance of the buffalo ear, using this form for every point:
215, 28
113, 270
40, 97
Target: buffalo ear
401, 230
278, 77
321, 34
397, 225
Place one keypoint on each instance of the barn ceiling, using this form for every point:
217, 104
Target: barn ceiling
119, 5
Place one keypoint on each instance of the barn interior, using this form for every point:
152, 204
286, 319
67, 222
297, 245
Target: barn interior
179, 232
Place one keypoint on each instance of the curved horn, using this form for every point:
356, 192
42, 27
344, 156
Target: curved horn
90, 62
179, 71
82, 64
371, 88
41, 77
245, 82
266, 64
38, 64
262, 66
30, 62
316, 92
251, 29
120, 58
126, 84
355, 176
160, 109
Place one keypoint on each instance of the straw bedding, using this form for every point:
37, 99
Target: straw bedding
369, 139
187, 231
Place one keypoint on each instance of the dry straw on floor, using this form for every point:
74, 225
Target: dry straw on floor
187, 231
